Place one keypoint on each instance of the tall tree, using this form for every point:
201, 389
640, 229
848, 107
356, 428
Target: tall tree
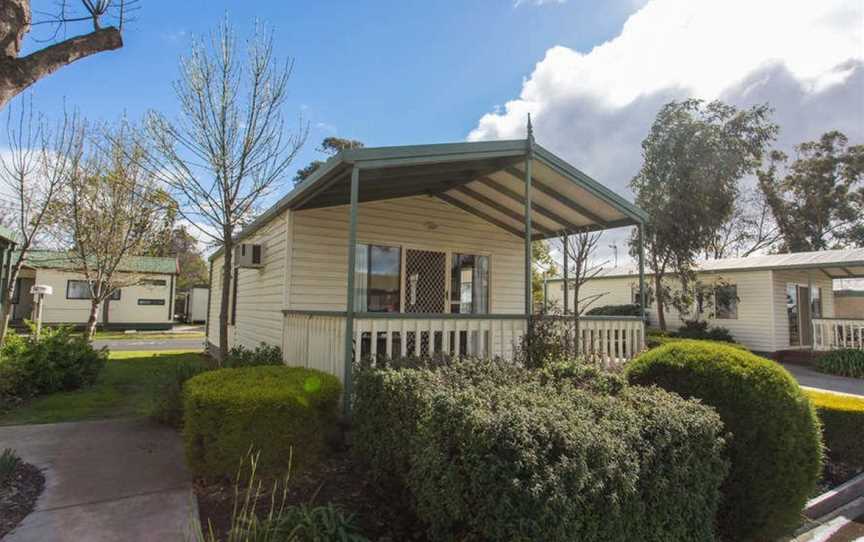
818, 199
750, 229
330, 146
693, 159
184, 246
113, 209
580, 266
38, 165
19, 72
229, 149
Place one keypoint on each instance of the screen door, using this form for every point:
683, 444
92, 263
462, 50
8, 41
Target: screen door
425, 281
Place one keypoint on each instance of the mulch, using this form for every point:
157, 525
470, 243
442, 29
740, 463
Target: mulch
18, 496
379, 512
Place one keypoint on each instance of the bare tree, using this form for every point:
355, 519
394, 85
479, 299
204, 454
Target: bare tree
579, 264
229, 149
112, 210
39, 163
19, 72
750, 228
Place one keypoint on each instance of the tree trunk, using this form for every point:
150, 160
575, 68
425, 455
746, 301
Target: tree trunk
658, 295
92, 319
18, 73
9, 294
226, 296
577, 340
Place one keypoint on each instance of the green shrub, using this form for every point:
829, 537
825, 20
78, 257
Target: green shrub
698, 329
58, 360
168, 407
775, 445
263, 354
842, 428
9, 462
487, 452
843, 362
614, 310
583, 375
272, 409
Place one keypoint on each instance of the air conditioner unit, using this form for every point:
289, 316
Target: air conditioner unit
247, 255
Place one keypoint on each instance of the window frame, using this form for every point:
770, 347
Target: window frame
735, 299
115, 295
153, 282
150, 302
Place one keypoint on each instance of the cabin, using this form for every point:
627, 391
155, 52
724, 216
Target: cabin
770, 303
8, 242
410, 251
147, 304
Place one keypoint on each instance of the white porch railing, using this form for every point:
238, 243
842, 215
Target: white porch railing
830, 333
316, 338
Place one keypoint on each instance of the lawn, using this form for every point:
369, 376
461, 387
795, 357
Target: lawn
127, 387
149, 335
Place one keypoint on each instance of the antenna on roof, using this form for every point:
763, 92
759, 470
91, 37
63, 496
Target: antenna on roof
530, 128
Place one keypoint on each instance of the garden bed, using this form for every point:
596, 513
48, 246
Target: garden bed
339, 480
18, 495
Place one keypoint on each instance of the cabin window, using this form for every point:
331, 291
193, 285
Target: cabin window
634, 296
816, 303
151, 301
726, 302
80, 289
377, 278
469, 284
153, 282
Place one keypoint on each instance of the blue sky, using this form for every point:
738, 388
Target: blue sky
385, 72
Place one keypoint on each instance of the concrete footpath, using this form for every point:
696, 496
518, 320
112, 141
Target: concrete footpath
105, 481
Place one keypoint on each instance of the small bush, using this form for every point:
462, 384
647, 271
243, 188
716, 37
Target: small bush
614, 310
58, 360
582, 375
263, 354
843, 362
168, 408
272, 409
775, 446
842, 428
698, 329
9, 462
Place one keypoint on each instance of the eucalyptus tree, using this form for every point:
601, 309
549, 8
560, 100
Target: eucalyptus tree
693, 159
331, 146
229, 149
40, 160
818, 198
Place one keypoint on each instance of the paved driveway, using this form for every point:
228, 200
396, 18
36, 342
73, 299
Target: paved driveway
814, 379
105, 481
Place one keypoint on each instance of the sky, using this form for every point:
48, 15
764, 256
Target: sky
593, 74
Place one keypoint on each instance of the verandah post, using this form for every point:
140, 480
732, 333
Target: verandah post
349, 302
529, 158
642, 303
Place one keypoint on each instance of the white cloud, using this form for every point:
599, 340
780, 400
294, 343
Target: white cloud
517, 3
594, 108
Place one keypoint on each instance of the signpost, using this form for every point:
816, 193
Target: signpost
39, 291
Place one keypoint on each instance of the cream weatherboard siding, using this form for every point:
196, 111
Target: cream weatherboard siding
756, 325
307, 251
801, 278
126, 310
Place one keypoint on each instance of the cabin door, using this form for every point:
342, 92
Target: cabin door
425, 281
804, 316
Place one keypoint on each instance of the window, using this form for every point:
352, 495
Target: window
153, 282
634, 296
151, 301
792, 312
377, 278
816, 303
726, 302
80, 289
469, 284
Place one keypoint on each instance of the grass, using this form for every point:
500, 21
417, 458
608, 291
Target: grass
126, 388
119, 336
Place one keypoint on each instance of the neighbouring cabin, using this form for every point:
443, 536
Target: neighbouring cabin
410, 251
769, 303
8, 242
145, 304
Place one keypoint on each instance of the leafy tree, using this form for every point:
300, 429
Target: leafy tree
693, 159
19, 72
229, 150
543, 268
330, 146
750, 228
184, 246
818, 199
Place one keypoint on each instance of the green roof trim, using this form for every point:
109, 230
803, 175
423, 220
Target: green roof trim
52, 259
8, 235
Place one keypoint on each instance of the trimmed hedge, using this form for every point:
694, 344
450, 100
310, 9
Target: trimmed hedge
285, 413
614, 310
842, 362
843, 428
775, 445
698, 329
491, 453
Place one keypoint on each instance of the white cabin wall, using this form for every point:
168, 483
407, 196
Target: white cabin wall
801, 277
318, 274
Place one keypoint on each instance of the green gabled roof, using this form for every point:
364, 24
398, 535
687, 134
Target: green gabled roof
8, 235
52, 259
